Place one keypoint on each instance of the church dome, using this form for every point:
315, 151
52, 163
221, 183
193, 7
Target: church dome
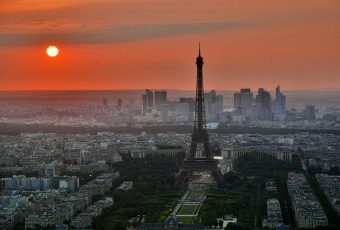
171, 222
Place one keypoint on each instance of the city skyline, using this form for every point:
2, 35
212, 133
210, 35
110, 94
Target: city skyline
162, 114
150, 44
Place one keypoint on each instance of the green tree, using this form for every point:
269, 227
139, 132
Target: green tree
209, 217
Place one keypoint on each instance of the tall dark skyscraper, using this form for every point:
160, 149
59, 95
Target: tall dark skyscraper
147, 101
243, 103
105, 105
243, 100
160, 98
213, 102
150, 99
200, 136
165, 113
279, 105
310, 113
218, 105
264, 105
144, 104
119, 104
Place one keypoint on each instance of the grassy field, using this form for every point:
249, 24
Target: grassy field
188, 209
196, 195
188, 219
185, 219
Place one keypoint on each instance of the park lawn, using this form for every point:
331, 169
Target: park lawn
196, 195
185, 219
188, 209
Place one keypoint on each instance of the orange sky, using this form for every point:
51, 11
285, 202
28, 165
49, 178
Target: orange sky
136, 44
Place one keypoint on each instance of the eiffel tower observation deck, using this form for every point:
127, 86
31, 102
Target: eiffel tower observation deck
200, 137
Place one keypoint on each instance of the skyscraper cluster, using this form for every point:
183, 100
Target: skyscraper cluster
263, 104
279, 105
262, 107
156, 106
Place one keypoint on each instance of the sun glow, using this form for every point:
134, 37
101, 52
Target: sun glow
52, 51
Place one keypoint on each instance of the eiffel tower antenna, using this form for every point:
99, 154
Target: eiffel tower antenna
199, 49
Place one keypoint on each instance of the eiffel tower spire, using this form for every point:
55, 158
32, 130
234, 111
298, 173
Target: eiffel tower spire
199, 49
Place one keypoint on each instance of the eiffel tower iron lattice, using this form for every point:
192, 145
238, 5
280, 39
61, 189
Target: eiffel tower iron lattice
200, 135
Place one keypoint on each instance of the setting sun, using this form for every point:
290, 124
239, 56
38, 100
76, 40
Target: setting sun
52, 51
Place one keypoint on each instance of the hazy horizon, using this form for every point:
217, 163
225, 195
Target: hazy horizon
94, 97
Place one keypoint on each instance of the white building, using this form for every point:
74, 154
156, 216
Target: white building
307, 208
274, 215
226, 219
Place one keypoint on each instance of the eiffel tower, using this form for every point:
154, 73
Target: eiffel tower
192, 163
